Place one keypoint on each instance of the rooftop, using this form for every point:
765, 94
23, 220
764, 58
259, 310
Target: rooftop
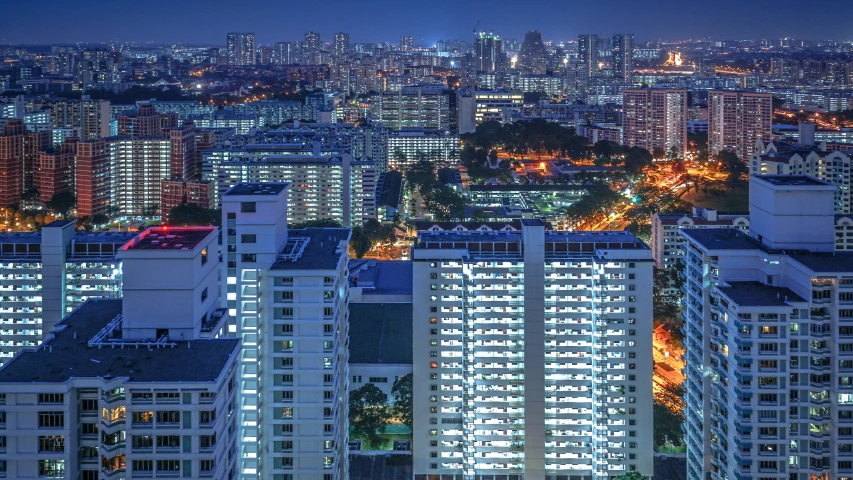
257, 188
169, 238
67, 354
319, 249
721, 238
381, 277
755, 294
380, 332
792, 180
829, 262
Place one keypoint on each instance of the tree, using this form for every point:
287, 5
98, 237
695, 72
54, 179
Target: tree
192, 215
359, 242
316, 223
62, 203
30, 194
631, 475
636, 159
150, 210
403, 405
99, 219
731, 165
113, 211
368, 413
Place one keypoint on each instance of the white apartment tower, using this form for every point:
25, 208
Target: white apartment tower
135, 387
47, 274
532, 354
769, 340
287, 291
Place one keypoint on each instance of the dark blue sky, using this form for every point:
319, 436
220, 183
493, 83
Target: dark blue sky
207, 21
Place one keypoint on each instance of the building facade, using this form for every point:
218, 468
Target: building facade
532, 353
655, 118
737, 120
287, 291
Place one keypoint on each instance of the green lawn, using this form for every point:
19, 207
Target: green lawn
720, 197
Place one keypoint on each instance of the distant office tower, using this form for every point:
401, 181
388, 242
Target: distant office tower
120, 379
48, 274
768, 361
241, 49
93, 178
487, 52
655, 118
736, 120
264, 55
53, 172
588, 53
12, 162
705, 67
532, 58
426, 106
282, 53
538, 363
287, 290
341, 44
94, 118
406, 44
622, 48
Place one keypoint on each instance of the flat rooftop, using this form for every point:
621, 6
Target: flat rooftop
756, 294
792, 180
67, 355
828, 262
380, 332
318, 249
257, 189
721, 238
169, 238
381, 277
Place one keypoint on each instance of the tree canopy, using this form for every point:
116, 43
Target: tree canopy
403, 403
62, 203
368, 413
189, 215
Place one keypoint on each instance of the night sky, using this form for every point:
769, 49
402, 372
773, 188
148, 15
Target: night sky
207, 21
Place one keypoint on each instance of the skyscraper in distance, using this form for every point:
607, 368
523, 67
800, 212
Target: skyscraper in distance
341, 44
406, 43
241, 48
487, 52
532, 57
622, 48
588, 53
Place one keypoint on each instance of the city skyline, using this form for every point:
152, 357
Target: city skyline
195, 22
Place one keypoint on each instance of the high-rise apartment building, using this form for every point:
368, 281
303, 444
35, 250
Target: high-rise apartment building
177, 192
532, 354
131, 387
588, 53
410, 145
737, 120
426, 106
287, 291
241, 49
93, 180
12, 162
49, 273
53, 172
768, 318
335, 187
532, 57
622, 50
312, 41
341, 46
477, 106
94, 118
655, 118
487, 52
407, 44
